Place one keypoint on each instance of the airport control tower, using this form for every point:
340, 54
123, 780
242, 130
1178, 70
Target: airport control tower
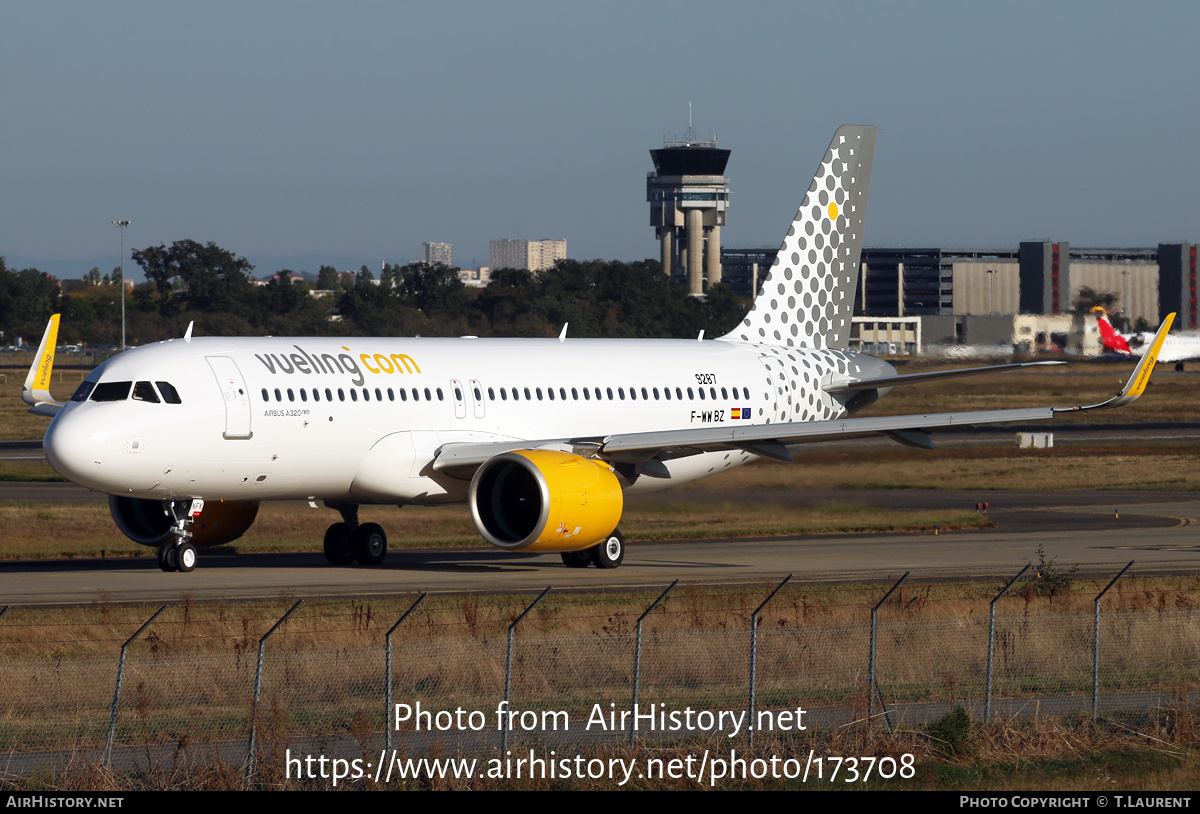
688, 194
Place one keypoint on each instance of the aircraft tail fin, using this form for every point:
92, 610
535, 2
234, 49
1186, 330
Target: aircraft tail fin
807, 297
1109, 337
36, 390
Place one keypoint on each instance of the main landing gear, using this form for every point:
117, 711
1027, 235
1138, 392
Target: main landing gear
178, 553
349, 540
607, 554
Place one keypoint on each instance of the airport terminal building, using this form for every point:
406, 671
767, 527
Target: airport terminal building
959, 293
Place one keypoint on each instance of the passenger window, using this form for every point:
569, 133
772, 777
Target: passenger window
678, 394
478, 395
645, 395
144, 391
169, 394
574, 394
391, 394
562, 392
303, 394
690, 396
366, 394
416, 394
586, 395
491, 394
746, 393
667, 393
597, 392
550, 393
316, 394
439, 392
700, 391
341, 395
527, 396
428, 395
378, 394
621, 393
723, 395
633, 394
291, 395
403, 394
85, 389
266, 396
609, 391
516, 396
712, 391
503, 394
328, 394
656, 394
278, 395
354, 395
539, 393
458, 394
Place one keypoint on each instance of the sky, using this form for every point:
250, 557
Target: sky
362, 129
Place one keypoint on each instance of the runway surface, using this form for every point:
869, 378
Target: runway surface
1158, 530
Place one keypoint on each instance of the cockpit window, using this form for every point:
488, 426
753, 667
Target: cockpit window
83, 391
144, 391
111, 391
169, 393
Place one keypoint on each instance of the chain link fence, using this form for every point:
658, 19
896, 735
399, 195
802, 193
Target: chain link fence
323, 684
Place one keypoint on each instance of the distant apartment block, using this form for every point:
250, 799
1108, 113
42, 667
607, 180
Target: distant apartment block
534, 255
437, 253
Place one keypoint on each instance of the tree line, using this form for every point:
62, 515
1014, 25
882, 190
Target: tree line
189, 281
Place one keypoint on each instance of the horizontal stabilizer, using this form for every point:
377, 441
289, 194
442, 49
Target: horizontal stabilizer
917, 378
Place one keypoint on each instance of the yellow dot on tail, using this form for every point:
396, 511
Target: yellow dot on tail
833, 211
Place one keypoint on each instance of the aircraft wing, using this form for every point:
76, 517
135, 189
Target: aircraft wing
772, 440
36, 390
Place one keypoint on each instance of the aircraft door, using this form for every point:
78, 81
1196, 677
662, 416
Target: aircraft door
460, 398
233, 392
477, 395
775, 408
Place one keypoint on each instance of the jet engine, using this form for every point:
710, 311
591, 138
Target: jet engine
545, 500
149, 523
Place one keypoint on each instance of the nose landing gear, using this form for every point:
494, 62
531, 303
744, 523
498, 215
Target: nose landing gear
178, 553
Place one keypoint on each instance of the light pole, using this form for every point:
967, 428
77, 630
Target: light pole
991, 292
1125, 297
121, 224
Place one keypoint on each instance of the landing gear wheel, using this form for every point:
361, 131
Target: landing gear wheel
337, 545
369, 543
168, 558
610, 553
577, 559
185, 557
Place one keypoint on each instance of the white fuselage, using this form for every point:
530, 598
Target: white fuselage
361, 419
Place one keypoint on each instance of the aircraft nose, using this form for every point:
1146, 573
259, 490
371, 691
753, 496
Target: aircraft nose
75, 448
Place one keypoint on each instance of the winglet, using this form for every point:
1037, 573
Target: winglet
1141, 374
36, 391
562, 336
187, 335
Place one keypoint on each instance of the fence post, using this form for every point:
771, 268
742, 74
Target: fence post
508, 670
987, 703
1096, 642
637, 655
112, 720
754, 652
387, 714
262, 648
872, 687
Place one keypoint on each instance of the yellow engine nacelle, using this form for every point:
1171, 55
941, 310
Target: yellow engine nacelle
544, 500
148, 522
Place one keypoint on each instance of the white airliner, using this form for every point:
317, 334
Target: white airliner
541, 437
1178, 347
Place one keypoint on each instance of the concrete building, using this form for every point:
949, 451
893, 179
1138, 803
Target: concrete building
534, 255
1038, 277
437, 253
689, 195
